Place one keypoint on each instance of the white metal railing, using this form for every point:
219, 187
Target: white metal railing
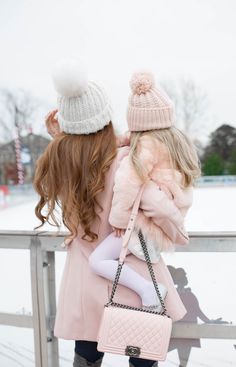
42, 247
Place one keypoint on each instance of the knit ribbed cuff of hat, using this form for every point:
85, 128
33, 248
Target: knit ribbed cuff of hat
88, 126
143, 119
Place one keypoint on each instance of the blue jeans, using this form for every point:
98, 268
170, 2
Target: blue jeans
88, 350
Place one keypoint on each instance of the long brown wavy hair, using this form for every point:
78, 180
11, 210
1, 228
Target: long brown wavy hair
71, 173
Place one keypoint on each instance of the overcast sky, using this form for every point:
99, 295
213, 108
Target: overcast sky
175, 39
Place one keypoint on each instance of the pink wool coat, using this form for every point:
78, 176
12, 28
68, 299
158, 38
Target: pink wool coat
82, 293
154, 158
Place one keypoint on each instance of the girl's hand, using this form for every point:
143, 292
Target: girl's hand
123, 140
52, 124
118, 231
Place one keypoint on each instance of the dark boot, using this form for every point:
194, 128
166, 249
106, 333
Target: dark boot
82, 362
154, 365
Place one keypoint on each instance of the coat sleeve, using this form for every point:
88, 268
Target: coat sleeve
182, 197
164, 213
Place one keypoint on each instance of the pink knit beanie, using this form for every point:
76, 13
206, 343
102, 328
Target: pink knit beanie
149, 107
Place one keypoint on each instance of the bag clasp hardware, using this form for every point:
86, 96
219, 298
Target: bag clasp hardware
132, 351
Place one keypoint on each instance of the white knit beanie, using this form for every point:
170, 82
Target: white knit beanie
83, 107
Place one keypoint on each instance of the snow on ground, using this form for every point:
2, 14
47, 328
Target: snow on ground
213, 210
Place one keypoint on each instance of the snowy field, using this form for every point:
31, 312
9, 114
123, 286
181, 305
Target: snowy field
209, 273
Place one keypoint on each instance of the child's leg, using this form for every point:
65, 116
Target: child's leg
103, 262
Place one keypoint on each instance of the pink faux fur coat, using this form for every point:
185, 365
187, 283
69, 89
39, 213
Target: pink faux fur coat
153, 156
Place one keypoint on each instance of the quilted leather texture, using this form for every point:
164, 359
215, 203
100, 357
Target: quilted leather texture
120, 328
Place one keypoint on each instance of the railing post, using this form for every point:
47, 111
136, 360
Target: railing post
35, 301
45, 306
50, 304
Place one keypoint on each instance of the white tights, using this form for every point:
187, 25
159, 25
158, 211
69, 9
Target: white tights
103, 262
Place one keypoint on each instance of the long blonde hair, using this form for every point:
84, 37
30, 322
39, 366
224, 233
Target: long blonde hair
71, 173
182, 153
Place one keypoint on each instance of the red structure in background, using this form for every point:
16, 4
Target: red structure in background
4, 189
11, 173
19, 165
4, 192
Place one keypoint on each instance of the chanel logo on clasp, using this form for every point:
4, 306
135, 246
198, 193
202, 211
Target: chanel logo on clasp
132, 351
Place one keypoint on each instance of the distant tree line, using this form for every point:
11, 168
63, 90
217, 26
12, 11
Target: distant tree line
219, 156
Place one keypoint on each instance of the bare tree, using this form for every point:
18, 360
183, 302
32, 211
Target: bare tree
6, 110
190, 104
194, 106
17, 114
17, 109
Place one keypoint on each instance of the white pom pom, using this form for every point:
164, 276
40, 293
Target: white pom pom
142, 82
70, 78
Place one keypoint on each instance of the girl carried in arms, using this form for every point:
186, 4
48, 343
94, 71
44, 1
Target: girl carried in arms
162, 155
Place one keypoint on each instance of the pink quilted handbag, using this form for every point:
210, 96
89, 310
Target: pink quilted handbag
132, 331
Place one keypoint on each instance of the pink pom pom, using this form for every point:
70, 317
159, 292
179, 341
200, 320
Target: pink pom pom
142, 82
